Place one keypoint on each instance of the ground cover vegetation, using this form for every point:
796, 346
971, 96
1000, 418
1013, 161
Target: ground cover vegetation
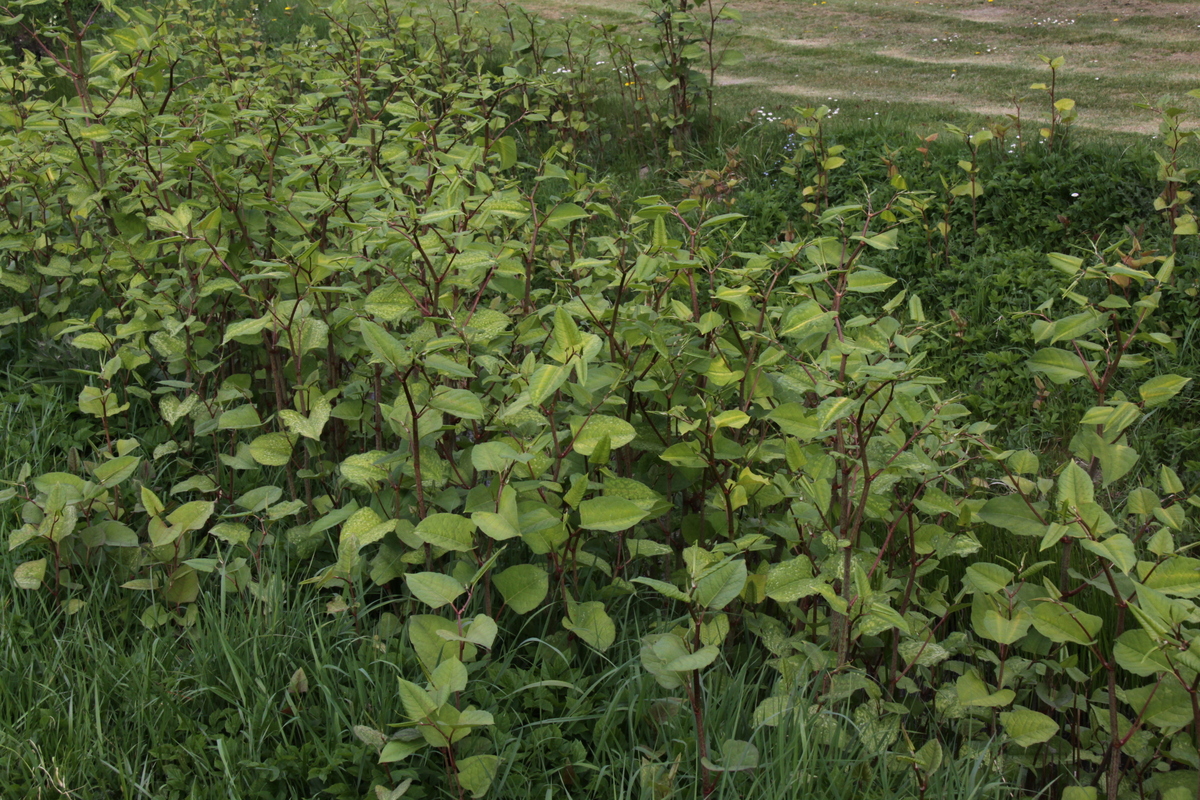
409, 402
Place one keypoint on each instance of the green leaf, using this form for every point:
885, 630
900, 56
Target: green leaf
1060, 366
598, 426
929, 757
579, 486
100, 403
240, 418
155, 616
482, 631
1136, 652
183, 586
1023, 462
1075, 486
363, 527
309, 427
1000, 628
724, 219
433, 588
972, 691
591, 624
117, 471
1141, 501
788, 581
495, 526
447, 366
987, 578
565, 213
806, 319
1169, 480
684, 454
432, 638
92, 340
922, 653
418, 705
272, 449
142, 584
257, 499
506, 148
1177, 575
613, 514
523, 587
389, 302
731, 419
245, 327
1012, 513
868, 280
719, 587
833, 409
736, 756
690, 662
1116, 460
383, 346
363, 470
173, 409
231, 532
1026, 728
461, 403
1162, 543
493, 456
659, 650
881, 241
566, 337
666, 589
646, 548
399, 750
476, 773
1077, 325
191, 516
545, 381
1065, 623
1118, 549
30, 574
1159, 390
447, 531
794, 420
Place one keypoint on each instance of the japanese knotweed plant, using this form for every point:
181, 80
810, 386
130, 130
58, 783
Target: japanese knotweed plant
688, 48
1095, 673
1174, 201
1062, 109
813, 145
217, 221
358, 301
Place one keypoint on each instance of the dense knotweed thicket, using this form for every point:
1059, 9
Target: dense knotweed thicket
590, 483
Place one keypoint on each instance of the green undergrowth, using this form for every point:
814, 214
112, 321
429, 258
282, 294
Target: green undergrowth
266, 702
984, 280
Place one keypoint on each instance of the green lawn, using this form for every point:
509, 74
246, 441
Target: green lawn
933, 61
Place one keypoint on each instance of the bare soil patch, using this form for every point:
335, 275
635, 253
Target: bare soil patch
1126, 123
811, 41
985, 14
730, 80
979, 60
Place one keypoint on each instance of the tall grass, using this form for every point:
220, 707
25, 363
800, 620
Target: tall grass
94, 705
